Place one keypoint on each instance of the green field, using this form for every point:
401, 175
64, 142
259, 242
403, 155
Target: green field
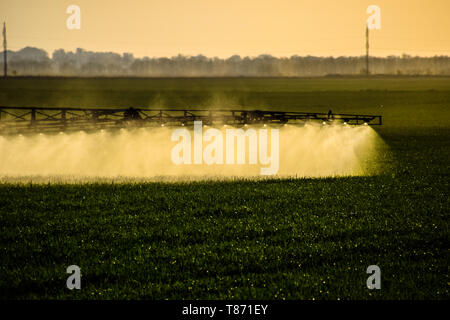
274, 239
404, 102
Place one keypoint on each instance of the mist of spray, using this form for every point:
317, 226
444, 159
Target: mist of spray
145, 153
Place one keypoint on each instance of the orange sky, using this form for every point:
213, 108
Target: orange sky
222, 28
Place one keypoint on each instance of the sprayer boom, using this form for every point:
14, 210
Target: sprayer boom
23, 119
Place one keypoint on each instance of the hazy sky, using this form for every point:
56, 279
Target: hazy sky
225, 27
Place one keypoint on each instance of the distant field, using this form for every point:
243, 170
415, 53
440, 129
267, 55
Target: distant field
276, 239
404, 101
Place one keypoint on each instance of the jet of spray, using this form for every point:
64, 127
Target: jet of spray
145, 154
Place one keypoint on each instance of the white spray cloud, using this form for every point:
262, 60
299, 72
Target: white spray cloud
146, 153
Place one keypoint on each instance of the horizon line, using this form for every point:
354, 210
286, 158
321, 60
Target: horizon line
233, 55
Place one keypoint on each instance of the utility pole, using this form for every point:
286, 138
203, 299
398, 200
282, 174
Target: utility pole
367, 50
5, 65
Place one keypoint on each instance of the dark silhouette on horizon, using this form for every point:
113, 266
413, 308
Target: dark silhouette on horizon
36, 62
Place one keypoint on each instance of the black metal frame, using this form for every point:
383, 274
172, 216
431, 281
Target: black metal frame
19, 119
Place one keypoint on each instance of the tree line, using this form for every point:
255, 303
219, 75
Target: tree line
36, 62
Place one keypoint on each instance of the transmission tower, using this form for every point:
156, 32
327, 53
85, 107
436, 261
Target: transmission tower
367, 50
5, 65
